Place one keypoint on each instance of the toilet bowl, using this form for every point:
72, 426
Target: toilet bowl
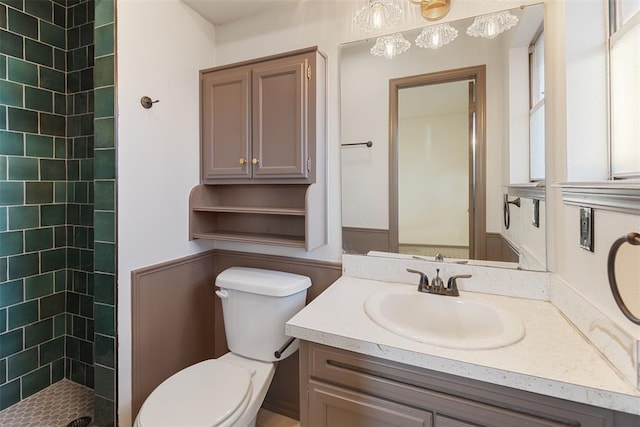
229, 390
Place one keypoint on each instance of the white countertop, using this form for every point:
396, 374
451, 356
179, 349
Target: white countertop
552, 359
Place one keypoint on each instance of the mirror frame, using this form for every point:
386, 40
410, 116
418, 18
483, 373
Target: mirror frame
379, 240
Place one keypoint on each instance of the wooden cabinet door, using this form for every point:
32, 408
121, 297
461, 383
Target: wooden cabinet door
226, 121
331, 406
280, 115
498, 418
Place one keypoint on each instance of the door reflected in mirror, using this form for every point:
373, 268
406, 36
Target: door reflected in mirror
433, 169
437, 164
435, 209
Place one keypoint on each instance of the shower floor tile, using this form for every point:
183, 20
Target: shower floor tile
55, 406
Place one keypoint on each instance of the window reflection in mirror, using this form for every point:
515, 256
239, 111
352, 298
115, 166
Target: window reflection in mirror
624, 77
536, 108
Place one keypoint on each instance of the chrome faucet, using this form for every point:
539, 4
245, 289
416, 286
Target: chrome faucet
452, 285
423, 286
437, 285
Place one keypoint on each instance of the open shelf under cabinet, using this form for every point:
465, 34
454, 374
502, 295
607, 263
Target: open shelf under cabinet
275, 214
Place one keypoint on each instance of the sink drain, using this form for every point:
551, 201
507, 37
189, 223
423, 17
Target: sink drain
80, 422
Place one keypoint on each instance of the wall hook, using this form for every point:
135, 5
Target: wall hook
147, 102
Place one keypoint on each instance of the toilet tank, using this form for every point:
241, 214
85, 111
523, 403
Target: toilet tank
256, 304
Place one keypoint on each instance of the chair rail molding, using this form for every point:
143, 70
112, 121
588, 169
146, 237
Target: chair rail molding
616, 196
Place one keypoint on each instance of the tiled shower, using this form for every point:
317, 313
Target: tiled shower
57, 199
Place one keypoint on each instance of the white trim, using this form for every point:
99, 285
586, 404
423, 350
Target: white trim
614, 196
534, 190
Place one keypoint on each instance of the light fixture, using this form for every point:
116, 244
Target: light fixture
390, 46
433, 10
377, 15
435, 36
489, 26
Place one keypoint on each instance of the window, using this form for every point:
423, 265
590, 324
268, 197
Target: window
536, 108
624, 89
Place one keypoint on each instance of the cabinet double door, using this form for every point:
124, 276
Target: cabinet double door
335, 406
255, 121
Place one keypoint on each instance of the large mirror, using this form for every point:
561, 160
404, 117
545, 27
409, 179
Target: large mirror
434, 140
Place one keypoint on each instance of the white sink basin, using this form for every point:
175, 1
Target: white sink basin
453, 322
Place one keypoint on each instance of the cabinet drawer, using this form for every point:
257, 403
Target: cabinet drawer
454, 401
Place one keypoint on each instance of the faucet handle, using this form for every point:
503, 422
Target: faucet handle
424, 280
452, 285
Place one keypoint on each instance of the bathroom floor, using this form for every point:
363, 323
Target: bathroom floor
269, 419
55, 406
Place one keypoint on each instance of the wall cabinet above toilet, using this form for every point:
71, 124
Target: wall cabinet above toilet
262, 159
263, 121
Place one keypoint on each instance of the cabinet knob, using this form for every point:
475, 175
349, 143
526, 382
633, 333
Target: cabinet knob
243, 161
255, 161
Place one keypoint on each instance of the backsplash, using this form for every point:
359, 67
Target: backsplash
620, 348
492, 280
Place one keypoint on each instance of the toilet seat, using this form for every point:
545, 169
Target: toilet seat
207, 394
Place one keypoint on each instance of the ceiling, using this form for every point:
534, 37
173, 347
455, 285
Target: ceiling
221, 12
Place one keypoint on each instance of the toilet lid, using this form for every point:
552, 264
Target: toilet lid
205, 394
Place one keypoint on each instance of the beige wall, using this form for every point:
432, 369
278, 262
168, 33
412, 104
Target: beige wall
161, 45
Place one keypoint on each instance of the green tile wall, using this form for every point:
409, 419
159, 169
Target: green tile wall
47, 198
79, 191
104, 169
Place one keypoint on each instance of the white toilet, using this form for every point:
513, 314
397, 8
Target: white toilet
228, 391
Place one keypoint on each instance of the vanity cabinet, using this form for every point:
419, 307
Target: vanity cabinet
342, 388
263, 121
262, 153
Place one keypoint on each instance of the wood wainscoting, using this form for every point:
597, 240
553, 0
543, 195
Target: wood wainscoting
177, 321
500, 249
358, 240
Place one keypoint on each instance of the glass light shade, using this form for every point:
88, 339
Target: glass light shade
436, 36
390, 46
377, 15
489, 26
